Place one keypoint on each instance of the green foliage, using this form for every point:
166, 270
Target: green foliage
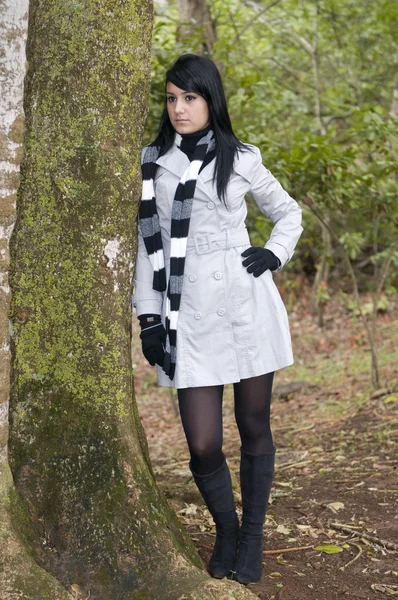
312, 84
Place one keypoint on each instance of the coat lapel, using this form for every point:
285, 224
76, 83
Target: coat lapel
205, 179
176, 162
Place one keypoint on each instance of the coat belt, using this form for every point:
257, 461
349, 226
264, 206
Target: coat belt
211, 242
205, 243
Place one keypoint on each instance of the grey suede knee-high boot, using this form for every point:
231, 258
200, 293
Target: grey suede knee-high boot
216, 489
256, 474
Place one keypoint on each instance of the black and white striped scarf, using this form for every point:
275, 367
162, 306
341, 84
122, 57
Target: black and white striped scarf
180, 219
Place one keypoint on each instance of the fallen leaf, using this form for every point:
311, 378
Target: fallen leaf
390, 399
329, 549
308, 530
189, 510
282, 529
336, 505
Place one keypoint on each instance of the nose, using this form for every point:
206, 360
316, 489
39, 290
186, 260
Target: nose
178, 106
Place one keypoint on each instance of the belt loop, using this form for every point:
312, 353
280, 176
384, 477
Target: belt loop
197, 243
227, 239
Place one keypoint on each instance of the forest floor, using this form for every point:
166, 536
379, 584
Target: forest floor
336, 483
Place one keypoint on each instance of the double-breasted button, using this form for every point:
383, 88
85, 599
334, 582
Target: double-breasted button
221, 312
218, 275
210, 205
192, 277
198, 315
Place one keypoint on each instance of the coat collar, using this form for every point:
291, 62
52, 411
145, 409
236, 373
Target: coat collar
177, 161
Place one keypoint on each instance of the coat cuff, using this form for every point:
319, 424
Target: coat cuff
280, 252
149, 306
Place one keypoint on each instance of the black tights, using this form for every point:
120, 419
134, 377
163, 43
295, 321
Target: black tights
201, 416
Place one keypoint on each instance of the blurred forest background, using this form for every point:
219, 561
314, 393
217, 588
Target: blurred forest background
315, 86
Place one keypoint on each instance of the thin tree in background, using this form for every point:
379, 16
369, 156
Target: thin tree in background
195, 20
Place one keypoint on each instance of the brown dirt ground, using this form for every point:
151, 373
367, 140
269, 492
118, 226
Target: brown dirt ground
336, 463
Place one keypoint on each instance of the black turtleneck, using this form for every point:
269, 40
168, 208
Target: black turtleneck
189, 141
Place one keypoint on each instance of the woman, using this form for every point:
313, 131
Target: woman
209, 311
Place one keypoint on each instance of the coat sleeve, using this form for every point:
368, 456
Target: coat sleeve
275, 203
145, 299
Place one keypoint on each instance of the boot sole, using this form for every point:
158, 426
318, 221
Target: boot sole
247, 582
219, 575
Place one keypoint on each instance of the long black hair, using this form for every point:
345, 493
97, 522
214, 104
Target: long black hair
199, 74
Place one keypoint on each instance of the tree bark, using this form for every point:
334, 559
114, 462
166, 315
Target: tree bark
322, 275
20, 576
86, 506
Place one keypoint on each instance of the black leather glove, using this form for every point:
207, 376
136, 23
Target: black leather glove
259, 260
153, 338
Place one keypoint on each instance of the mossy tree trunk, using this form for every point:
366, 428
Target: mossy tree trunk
86, 505
20, 575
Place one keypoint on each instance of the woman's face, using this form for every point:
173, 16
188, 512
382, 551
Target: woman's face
188, 112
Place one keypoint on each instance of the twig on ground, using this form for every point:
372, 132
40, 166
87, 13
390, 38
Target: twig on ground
385, 587
384, 491
328, 507
280, 551
306, 428
379, 393
300, 463
360, 552
292, 428
206, 547
366, 536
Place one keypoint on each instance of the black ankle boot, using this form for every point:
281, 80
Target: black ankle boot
216, 489
256, 473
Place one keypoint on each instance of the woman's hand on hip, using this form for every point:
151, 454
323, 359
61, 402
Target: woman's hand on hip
258, 260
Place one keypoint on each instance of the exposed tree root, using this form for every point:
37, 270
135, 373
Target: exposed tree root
20, 576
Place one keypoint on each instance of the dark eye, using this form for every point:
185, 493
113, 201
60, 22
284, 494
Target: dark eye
170, 99
189, 98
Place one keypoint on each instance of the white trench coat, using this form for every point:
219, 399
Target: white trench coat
231, 325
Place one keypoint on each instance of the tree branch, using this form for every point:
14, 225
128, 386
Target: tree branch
255, 18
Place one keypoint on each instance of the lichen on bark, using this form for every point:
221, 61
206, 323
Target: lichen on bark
77, 449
